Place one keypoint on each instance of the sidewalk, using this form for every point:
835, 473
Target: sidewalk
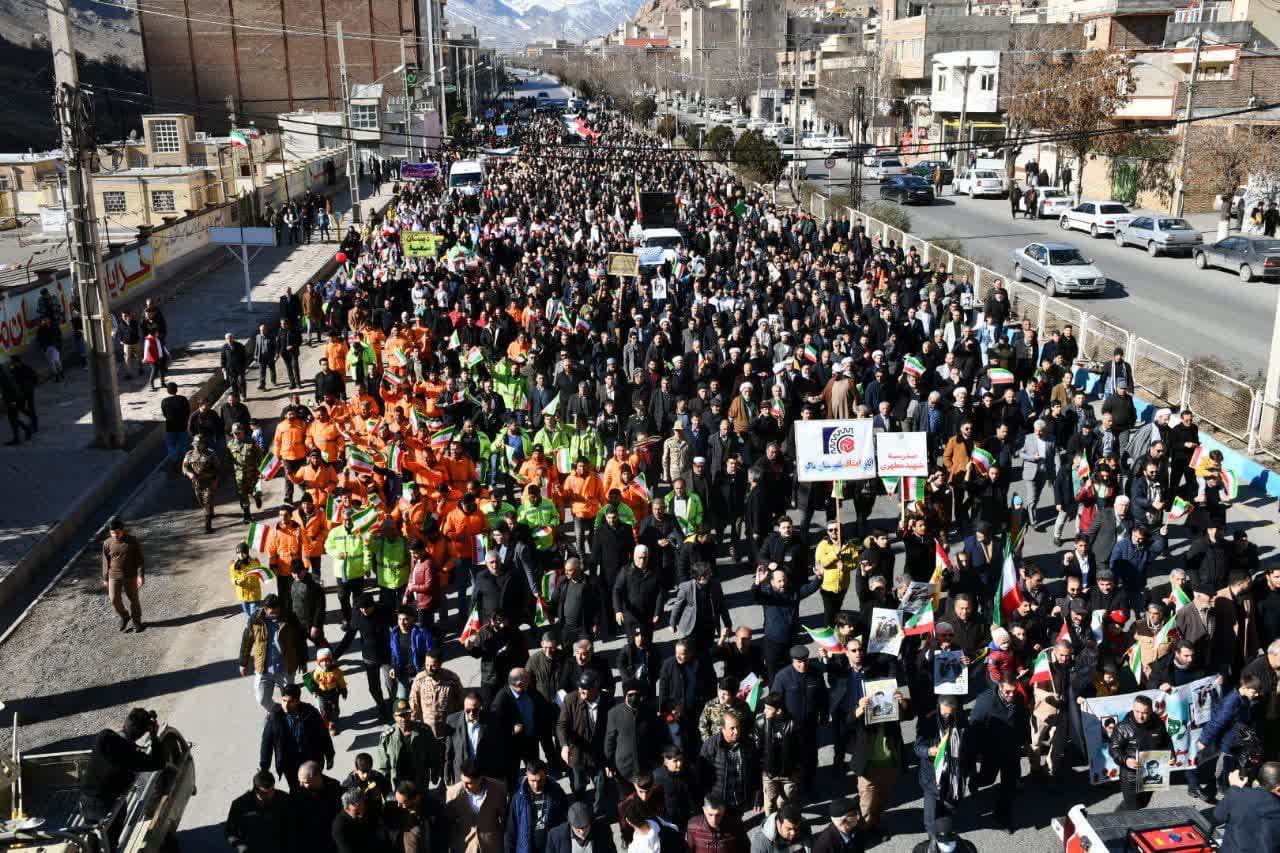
57, 473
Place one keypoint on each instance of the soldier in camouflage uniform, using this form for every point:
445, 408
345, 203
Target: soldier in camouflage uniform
246, 456
712, 718
201, 467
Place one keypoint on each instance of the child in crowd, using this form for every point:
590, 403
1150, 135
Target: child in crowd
329, 685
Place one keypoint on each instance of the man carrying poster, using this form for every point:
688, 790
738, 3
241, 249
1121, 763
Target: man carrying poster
1140, 731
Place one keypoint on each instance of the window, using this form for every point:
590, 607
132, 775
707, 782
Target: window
113, 202
164, 136
941, 84
364, 116
162, 201
987, 81
4, 183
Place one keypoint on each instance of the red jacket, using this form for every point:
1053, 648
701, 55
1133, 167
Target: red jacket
422, 585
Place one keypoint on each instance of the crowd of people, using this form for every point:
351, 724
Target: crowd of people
509, 454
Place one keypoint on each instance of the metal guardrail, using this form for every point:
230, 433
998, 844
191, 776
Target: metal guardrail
1166, 378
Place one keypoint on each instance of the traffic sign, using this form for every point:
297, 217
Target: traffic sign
830, 162
450, 88
411, 76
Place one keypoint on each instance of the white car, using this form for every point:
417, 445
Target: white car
1052, 202
979, 182
837, 146
874, 154
883, 167
1096, 217
813, 141
756, 124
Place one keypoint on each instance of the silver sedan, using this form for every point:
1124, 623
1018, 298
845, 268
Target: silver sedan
1059, 267
1159, 235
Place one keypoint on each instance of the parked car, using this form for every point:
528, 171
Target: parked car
837, 146
885, 167
907, 189
773, 130
874, 154
741, 121
1060, 267
1052, 202
756, 124
979, 182
927, 168
1160, 235
1096, 217
811, 140
1250, 257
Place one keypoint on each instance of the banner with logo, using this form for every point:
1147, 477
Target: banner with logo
1184, 711
835, 450
419, 171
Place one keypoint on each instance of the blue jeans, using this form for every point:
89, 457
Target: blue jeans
175, 445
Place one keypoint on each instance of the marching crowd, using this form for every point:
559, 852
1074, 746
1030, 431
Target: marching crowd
509, 454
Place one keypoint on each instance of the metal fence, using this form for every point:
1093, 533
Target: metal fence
1160, 373
1164, 377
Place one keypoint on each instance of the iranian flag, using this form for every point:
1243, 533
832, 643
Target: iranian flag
1000, 376
1040, 671
750, 690
912, 366
364, 519
1180, 509
1163, 635
454, 341
395, 380
811, 353
1133, 660
921, 622
1063, 632
890, 484
552, 407
941, 562
1231, 483
940, 759
562, 460
1080, 472
1007, 596
400, 358
359, 461
642, 486
258, 537
418, 420
1196, 457
333, 510
1180, 598
270, 466
540, 617
395, 455
563, 324
982, 460
547, 585
474, 356
262, 573
482, 548
825, 638
582, 325
913, 488
471, 628
544, 538
442, 437
239, 140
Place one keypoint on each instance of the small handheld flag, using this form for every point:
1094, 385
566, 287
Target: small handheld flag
552, 407
1040, 671
912, 366
1180, 509
262, 573
825, 638
333, 510
1231, 483
921, 622
982, 460
540, 617
270, 466
750, 690
364, 519
940, 758
471, 628
1000, 376
258, 537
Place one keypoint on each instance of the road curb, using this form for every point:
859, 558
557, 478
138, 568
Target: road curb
93, 499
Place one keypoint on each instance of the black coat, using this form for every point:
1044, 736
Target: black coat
1000, 732
682, 795
253, 827
358, 835
558, 840
830, 841
499, 653
639, 595
579, 608
631, 740
308, 603
611, 548
288, 752
508, 592
313, 814
712, 766
488, 753
1130, 738
671, 687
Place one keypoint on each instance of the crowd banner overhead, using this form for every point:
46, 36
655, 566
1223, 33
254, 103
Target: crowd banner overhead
902, 454
420, 244
835, 450
1185, 711
419, 171
624, 264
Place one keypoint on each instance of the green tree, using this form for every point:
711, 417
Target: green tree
693, 136
720, 141
459, 127
667, 127
758, 157
643, 109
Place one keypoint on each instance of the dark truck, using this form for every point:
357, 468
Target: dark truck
48, 819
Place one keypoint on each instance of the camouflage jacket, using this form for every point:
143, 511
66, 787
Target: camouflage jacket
245, 459
203, 465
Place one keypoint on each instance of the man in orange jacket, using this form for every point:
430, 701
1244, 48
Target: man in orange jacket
583, 493
290, 447
288, 543
317, 478
461, 526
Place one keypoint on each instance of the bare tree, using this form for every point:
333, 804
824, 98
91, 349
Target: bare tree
1221, 157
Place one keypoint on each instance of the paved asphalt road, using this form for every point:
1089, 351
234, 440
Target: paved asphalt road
69, 672
1167, 300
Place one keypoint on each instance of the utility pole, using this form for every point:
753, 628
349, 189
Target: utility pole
353, 170
795, 100
76, 132
1180, 192
229, 187
855, 165
408, 98
967, 70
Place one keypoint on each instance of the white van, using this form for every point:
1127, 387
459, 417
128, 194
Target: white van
467, 176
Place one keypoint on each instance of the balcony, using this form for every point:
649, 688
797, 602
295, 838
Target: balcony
1207, 13
1112, 8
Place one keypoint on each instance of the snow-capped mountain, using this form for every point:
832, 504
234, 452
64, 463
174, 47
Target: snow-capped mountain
514, 23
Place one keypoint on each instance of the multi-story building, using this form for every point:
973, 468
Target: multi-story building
965, 86
742, 35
